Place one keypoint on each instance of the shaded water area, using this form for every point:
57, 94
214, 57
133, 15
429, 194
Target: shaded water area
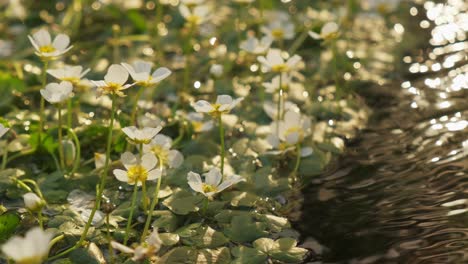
400, 192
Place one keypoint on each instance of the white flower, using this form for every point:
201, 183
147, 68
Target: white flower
33, 248
328, 31
143, 251
279, 30
270, 108
217, 70
197, 16
212, 184
114, 81
138, 170
292, 130
192, 2
141, 136
160, 146
99, 160
199, 125
274, 85
224, 104
32, 201
47, 49
141, 73
56, 93
274, 61
255, 46
3, 130
69, 73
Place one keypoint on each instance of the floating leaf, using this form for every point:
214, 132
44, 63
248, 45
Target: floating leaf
8, 224
206, 237
183, 202
244, 229
246, 255
169, 239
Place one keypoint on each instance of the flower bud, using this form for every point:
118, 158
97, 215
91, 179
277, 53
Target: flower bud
217, 70
33, 202
69, 150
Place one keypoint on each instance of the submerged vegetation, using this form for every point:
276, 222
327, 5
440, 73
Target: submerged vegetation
106, 159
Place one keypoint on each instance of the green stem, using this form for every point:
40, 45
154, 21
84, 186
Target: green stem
205, 206
298, 158
221, 138
132, 208
144, 198
78, 151
102, 184
335, 70
281, 96
22, 185
69, 112
55, 240
153, 205
36, 188
158, 19
42, 104
60, 138
39, 219
5, 158
135, 106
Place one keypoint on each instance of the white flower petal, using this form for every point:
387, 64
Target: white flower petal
195, 182
161, 74
121, 175
61, 42
213, 177
116, 74
149, 161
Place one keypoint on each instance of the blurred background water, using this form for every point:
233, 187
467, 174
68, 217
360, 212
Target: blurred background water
400, 192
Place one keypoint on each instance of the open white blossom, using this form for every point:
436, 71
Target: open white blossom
55, 93
279, 30
137, 170
212, 184
274, 85
33, 248
3, 130
274, 61
198, 122
196, 16
141, 136
329, 31
224, 104
145, 250
255, 46
270, 108
141, 73
32, 201
160, 146
48, 49
69, 73
292, 130
114, 81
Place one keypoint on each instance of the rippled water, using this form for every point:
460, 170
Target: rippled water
400, 193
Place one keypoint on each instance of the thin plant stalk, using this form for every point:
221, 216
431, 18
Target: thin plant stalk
153, 204
60, 137
135, 106
76, 165
99, 189
69, 112
132, 209
221, 139
40, 220
5, 158
298, 158
42, 103
143, 184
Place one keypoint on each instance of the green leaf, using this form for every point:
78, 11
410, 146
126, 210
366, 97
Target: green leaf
188, 230
264, 244
241, 198
244, 229
246, 255
166, 220
8, 224
180, 255
169, 239
183, 202
206, 237
218, 256
275, 223
283, 249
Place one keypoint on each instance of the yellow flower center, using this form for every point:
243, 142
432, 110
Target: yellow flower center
280, 68
194, 19
197, 126
73, 80
161, 153
208, 188
113, 88
331, 36
277, 33
47, 49
382, 8
295, 129
30, 260
136, 174
216, 112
